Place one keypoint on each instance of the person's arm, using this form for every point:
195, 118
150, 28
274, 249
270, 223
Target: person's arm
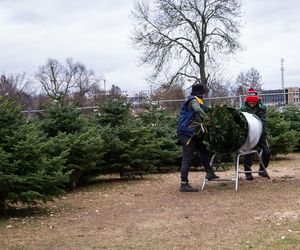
263, 117
244, 108
195, 106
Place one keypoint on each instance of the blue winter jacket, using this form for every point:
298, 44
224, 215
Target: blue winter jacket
186, 118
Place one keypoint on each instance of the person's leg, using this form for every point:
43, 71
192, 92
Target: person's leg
210, 175
187, 157
266, 153
247, 166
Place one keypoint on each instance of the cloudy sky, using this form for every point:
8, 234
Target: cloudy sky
96, 33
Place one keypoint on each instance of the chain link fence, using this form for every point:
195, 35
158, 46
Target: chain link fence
274, 99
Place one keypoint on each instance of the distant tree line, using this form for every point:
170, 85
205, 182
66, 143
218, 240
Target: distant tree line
72, 82
55, 81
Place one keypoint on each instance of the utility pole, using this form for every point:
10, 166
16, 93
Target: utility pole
282, 72
282, 78
104, 81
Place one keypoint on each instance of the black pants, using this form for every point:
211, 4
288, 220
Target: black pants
266, 153
187, 155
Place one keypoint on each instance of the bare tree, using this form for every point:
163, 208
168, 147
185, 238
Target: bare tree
86, 83
254, 79
251, 79
115, 91
220, 89
169, 92
16, 87
183, 37
57, 79
219, 84
242, 84
97, 95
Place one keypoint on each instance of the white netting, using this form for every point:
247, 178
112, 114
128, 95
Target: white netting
254, 131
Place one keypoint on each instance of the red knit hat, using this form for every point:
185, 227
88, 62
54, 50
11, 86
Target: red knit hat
251, 96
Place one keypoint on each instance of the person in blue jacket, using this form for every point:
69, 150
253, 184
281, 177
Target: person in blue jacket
192, 108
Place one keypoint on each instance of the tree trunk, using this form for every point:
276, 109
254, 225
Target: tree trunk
203, 78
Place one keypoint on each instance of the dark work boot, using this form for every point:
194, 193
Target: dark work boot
262, 174
249, 176
210, 174
186, 187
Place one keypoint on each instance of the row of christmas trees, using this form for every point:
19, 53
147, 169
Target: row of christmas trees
42, 157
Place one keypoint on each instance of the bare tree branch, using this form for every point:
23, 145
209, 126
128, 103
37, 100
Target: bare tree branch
56, 79
15, 87
169, 31
251, 79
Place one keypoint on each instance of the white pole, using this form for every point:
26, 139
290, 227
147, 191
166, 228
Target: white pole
282, 78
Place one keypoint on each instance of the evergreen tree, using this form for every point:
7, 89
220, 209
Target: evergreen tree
85, 151
114, 115
281, 137
163, 125
10, 119
225, 131
71, 132
61, 118
292, 114
27, 173
137, 143
114, 111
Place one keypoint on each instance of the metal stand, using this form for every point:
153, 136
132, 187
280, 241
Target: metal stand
237, 169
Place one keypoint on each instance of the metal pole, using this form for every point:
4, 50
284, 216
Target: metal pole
240, 101
282, 79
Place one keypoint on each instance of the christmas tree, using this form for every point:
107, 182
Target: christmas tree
225, 131
27, 173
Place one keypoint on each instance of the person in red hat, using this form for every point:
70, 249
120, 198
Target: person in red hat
254, 105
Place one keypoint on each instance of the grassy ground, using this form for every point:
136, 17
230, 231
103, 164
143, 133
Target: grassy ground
151, 213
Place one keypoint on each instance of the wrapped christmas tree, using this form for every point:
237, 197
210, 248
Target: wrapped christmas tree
225, 131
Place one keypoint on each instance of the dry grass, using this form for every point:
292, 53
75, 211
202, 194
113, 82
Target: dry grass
152, 214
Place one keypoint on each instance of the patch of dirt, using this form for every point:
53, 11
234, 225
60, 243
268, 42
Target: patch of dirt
151, 213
